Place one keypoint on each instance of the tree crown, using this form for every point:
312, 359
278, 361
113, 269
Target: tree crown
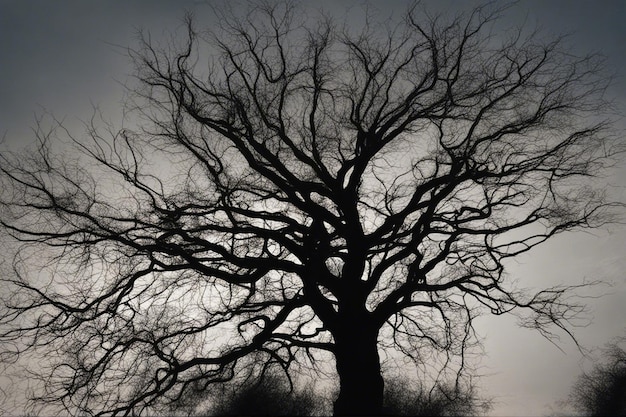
310, 178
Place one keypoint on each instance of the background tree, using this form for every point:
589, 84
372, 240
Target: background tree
315, 193
602, 392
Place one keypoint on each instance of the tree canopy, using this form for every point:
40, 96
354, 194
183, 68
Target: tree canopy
304, 192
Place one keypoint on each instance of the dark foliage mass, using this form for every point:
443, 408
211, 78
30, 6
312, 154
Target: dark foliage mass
275, 395
602, 392
403, 398
271, 396
319, 197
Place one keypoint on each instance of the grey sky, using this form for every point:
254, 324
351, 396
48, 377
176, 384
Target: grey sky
58, 55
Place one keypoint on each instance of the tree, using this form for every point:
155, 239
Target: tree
315, 193
602, 392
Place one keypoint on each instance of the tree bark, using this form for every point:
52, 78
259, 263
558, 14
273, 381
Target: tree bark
358, 367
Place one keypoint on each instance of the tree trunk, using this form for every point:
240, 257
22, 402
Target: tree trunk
358, 367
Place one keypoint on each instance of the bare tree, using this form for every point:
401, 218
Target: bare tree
315, 193
602, 392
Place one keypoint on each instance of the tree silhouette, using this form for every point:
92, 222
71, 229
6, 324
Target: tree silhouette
602, 392
315, 194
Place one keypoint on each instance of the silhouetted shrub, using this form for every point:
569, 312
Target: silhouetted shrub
602, 392
403, 399
268, 396
272, 395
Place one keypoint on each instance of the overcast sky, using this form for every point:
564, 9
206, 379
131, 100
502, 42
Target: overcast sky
59, 56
